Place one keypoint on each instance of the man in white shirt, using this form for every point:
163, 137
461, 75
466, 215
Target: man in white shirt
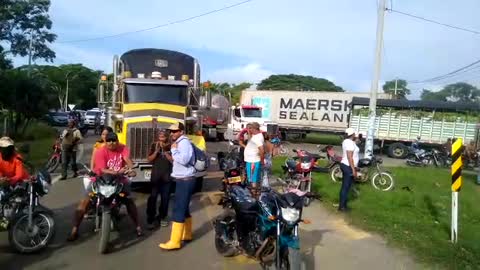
254, 154
348, 165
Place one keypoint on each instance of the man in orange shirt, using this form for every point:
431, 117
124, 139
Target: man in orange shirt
12, 170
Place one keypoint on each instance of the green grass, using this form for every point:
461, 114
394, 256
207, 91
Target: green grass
320, 138
418, 220
39, 151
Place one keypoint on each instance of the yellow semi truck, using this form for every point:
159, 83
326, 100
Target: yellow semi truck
152, 88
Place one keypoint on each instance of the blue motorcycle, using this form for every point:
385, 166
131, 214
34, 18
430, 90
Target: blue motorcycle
265, 229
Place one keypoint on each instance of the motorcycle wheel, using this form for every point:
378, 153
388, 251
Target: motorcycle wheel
291, 260
306, 187
336, 173
105, 232
28, 241
53, 163
383, 181
223, 248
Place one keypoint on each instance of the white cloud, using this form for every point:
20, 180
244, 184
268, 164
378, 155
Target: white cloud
252, 72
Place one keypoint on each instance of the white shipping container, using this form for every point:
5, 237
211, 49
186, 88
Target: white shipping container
315, 111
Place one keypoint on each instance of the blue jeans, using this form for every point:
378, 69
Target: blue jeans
183, 195
346, 185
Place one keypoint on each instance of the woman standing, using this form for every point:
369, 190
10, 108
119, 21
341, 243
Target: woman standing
100, 143
348, 164
161, 159
268, 146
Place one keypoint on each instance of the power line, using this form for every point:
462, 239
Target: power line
435, 22
159, 26
437, 78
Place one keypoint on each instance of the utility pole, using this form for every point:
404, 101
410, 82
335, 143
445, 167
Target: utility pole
30, 46
396, 84
376, 78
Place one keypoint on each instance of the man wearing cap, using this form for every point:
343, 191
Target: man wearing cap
183, 173
71, 136
12, 170
348, 165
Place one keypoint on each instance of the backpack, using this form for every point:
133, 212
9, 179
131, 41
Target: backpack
200, 160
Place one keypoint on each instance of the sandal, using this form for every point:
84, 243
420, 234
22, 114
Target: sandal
72, 237
139, 232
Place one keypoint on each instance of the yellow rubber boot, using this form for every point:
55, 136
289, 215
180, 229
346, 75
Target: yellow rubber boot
187, 231
175, 238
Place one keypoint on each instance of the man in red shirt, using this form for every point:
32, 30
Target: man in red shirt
12, 170
113, 159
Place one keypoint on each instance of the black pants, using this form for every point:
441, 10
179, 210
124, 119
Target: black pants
160, 186
69, 156
346, 185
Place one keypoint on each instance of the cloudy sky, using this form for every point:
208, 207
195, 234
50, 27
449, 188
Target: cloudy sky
333, 39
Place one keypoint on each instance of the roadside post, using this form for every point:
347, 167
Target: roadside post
457, 164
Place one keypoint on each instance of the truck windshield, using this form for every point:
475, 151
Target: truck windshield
252, 113
156, 93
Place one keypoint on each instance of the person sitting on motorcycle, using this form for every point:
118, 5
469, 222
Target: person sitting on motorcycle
447, 147
12, 170
113, 158
471, 152
99, 144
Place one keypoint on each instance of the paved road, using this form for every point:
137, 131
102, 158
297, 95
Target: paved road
326, 244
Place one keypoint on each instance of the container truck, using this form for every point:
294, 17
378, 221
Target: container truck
153, 88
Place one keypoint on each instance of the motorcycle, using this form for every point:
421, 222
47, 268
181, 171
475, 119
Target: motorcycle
266, 229
370, 169
298, 172
30, 225
232, 154
106, 199
279, 147
56, 157
421, 157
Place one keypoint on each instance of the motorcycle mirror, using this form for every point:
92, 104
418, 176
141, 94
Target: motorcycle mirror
24, 148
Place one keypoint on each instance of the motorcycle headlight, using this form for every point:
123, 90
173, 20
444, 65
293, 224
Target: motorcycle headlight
305, 165
290, 215
106, 190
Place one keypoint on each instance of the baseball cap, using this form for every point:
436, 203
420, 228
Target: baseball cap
176, 126
111, 136
350, 131
6, 142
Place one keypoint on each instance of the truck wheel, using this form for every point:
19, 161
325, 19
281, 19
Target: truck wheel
221, 137
283, 135
397, 150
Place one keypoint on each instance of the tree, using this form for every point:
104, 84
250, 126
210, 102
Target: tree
82, 84
22, 20
401, 92
299, 83
226, 89
460, 91
24, 97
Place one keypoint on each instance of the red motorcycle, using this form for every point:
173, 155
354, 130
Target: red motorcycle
56, 156
298, 172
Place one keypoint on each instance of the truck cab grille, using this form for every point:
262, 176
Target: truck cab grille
140, 137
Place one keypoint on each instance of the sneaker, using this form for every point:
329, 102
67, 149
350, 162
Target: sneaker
164, 223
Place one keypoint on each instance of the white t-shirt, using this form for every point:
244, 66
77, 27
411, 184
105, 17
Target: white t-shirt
252, 153
349, 145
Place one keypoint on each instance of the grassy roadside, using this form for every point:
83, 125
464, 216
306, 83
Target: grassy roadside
419, 219
40, 137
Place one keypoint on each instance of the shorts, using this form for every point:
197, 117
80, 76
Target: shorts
253, 172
